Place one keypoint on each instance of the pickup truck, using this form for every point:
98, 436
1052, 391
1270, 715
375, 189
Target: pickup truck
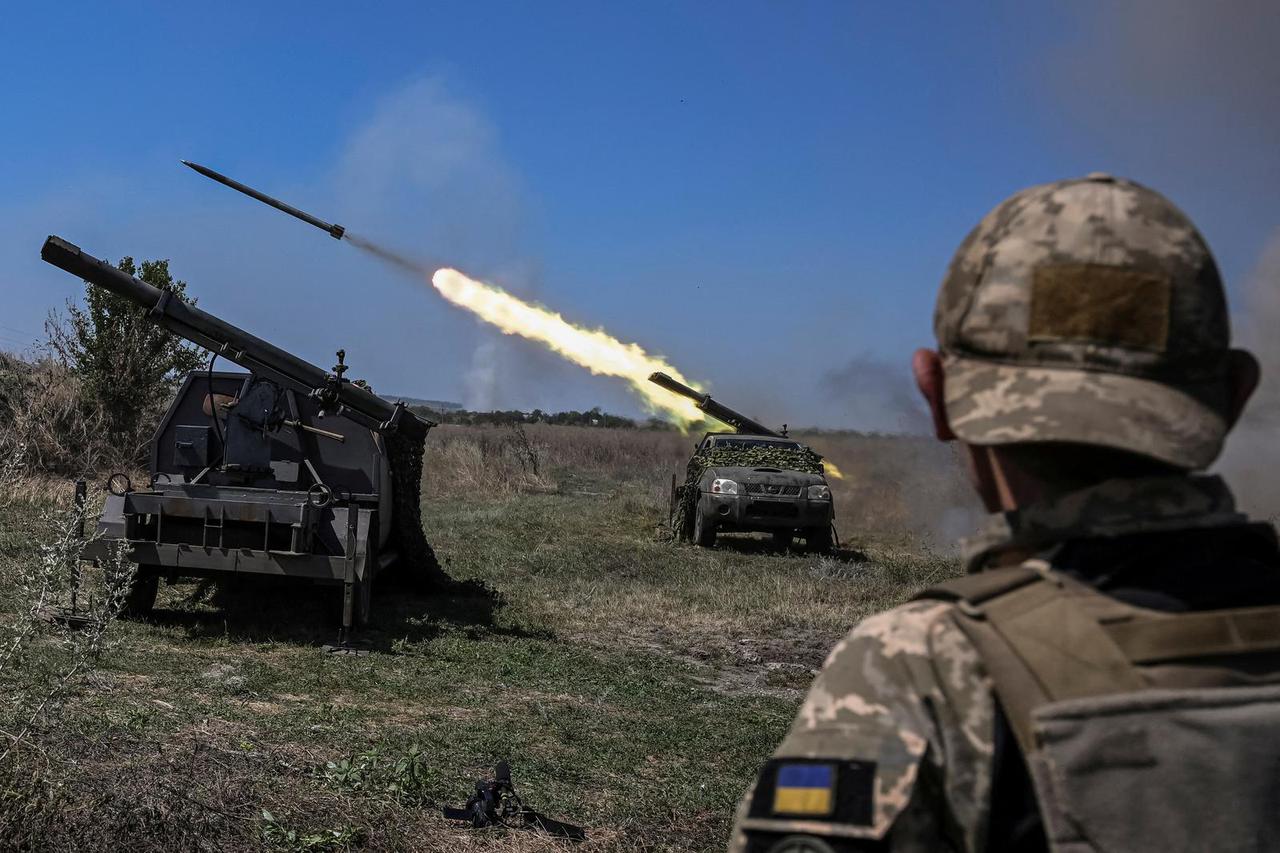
756, 483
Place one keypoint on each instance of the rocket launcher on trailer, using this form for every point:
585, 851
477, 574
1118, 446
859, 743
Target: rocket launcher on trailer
285, 470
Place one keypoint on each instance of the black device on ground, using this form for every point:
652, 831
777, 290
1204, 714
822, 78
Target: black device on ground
495, 803
285, 470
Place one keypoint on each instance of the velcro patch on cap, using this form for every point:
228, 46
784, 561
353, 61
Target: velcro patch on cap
1101, 304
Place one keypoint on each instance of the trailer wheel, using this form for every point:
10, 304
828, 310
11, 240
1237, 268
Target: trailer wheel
142, 593
704, 532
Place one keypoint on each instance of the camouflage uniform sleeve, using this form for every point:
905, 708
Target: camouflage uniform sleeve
906, 703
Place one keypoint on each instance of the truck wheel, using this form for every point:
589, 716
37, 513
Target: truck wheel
704, 532
782, 539
818, 539
142, 594
682, 516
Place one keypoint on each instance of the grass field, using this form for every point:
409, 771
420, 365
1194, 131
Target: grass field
635, 685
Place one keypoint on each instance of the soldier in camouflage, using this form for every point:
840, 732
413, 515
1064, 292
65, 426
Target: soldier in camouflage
1084, 365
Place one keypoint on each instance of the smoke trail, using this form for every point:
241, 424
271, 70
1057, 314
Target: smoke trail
395, 259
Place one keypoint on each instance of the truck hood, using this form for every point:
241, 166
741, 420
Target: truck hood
766, 476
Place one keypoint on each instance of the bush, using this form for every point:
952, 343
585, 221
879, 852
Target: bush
44, 409
126, 365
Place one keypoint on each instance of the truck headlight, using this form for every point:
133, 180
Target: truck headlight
723, 487
819, 492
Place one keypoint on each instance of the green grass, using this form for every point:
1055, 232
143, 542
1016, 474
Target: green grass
634, 685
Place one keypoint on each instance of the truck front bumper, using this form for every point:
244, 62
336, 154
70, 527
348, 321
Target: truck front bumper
758, 513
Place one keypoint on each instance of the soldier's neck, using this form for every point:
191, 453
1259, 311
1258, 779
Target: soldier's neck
1004, 486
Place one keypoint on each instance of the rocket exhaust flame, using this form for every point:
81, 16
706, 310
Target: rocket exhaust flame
594, 349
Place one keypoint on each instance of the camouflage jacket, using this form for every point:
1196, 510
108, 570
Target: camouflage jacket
905, 701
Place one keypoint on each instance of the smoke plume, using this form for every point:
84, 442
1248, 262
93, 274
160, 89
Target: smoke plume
1184, 83
482, 377
876, 395
426, 174
1190, 89
1252, 458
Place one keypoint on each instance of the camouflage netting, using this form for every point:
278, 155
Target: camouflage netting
419, 566
786, 459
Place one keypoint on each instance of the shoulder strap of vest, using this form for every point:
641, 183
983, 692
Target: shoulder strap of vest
1037, 643
1040, 645
974, 589
1171, 637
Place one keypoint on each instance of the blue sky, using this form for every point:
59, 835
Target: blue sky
773, 186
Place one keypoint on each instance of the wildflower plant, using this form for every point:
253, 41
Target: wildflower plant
47, 647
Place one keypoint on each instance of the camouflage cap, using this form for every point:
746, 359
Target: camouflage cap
1088, 311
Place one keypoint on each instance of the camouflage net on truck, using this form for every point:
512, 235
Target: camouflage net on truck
686, 497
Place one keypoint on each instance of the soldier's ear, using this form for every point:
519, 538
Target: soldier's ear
1243, 374
926, 364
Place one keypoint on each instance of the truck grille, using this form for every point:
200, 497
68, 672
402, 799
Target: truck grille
771, 509
773, 490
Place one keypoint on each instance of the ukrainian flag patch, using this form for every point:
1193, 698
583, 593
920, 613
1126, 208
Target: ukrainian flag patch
805, 789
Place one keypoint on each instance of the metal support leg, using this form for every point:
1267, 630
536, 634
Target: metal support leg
81, 502
349, 584
348, 609
350, 588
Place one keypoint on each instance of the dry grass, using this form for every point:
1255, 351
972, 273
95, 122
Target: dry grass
493, 460
44, 408
906, 489
634, 684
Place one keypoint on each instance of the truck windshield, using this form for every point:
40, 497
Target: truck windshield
756, 442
